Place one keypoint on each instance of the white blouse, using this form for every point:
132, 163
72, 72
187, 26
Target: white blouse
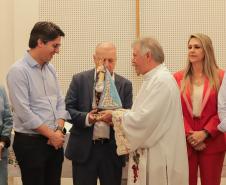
197, 99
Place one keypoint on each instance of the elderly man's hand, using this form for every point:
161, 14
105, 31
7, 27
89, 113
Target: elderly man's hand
92, 116
106, 116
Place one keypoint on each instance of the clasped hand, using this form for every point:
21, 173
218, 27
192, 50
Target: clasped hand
196, 139
56, 139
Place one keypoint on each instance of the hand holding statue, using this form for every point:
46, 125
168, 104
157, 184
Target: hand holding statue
106, 116
93, 116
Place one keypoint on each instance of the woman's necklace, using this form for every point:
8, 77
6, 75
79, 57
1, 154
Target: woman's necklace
198, 79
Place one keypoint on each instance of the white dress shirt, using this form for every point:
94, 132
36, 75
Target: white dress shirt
222, 106
197, 99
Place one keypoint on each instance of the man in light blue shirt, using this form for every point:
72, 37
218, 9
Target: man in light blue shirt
39, 108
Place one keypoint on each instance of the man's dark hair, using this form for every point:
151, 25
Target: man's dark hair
46, 31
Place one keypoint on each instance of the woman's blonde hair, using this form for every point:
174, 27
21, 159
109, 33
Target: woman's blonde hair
210, 67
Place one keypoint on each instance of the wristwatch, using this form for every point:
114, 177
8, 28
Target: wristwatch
62, 129
207, 133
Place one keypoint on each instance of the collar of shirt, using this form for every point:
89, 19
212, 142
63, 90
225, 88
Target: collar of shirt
152, 72
31, 61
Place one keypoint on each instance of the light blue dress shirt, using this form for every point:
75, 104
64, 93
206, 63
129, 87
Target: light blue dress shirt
35, 95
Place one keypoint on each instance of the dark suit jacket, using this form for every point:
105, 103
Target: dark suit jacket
79, 102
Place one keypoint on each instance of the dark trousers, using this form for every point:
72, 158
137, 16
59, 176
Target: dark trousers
40, 163
101, 164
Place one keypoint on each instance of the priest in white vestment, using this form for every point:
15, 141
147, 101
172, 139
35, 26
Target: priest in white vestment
152, 131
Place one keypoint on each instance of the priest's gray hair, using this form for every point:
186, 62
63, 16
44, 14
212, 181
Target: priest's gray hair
149, 44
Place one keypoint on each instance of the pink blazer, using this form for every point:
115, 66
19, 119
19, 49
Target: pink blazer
208, 119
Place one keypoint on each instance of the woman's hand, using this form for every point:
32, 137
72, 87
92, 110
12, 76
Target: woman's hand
196, 137
201, 146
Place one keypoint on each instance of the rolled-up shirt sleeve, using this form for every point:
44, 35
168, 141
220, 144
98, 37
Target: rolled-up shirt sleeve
222, 106
18, 86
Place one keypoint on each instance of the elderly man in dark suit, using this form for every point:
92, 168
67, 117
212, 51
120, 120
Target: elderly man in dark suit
91, 145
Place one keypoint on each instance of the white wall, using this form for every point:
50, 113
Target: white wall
16, 19
88, 22
6, 37
25, 16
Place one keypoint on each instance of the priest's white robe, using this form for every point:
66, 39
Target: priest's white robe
154, 128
